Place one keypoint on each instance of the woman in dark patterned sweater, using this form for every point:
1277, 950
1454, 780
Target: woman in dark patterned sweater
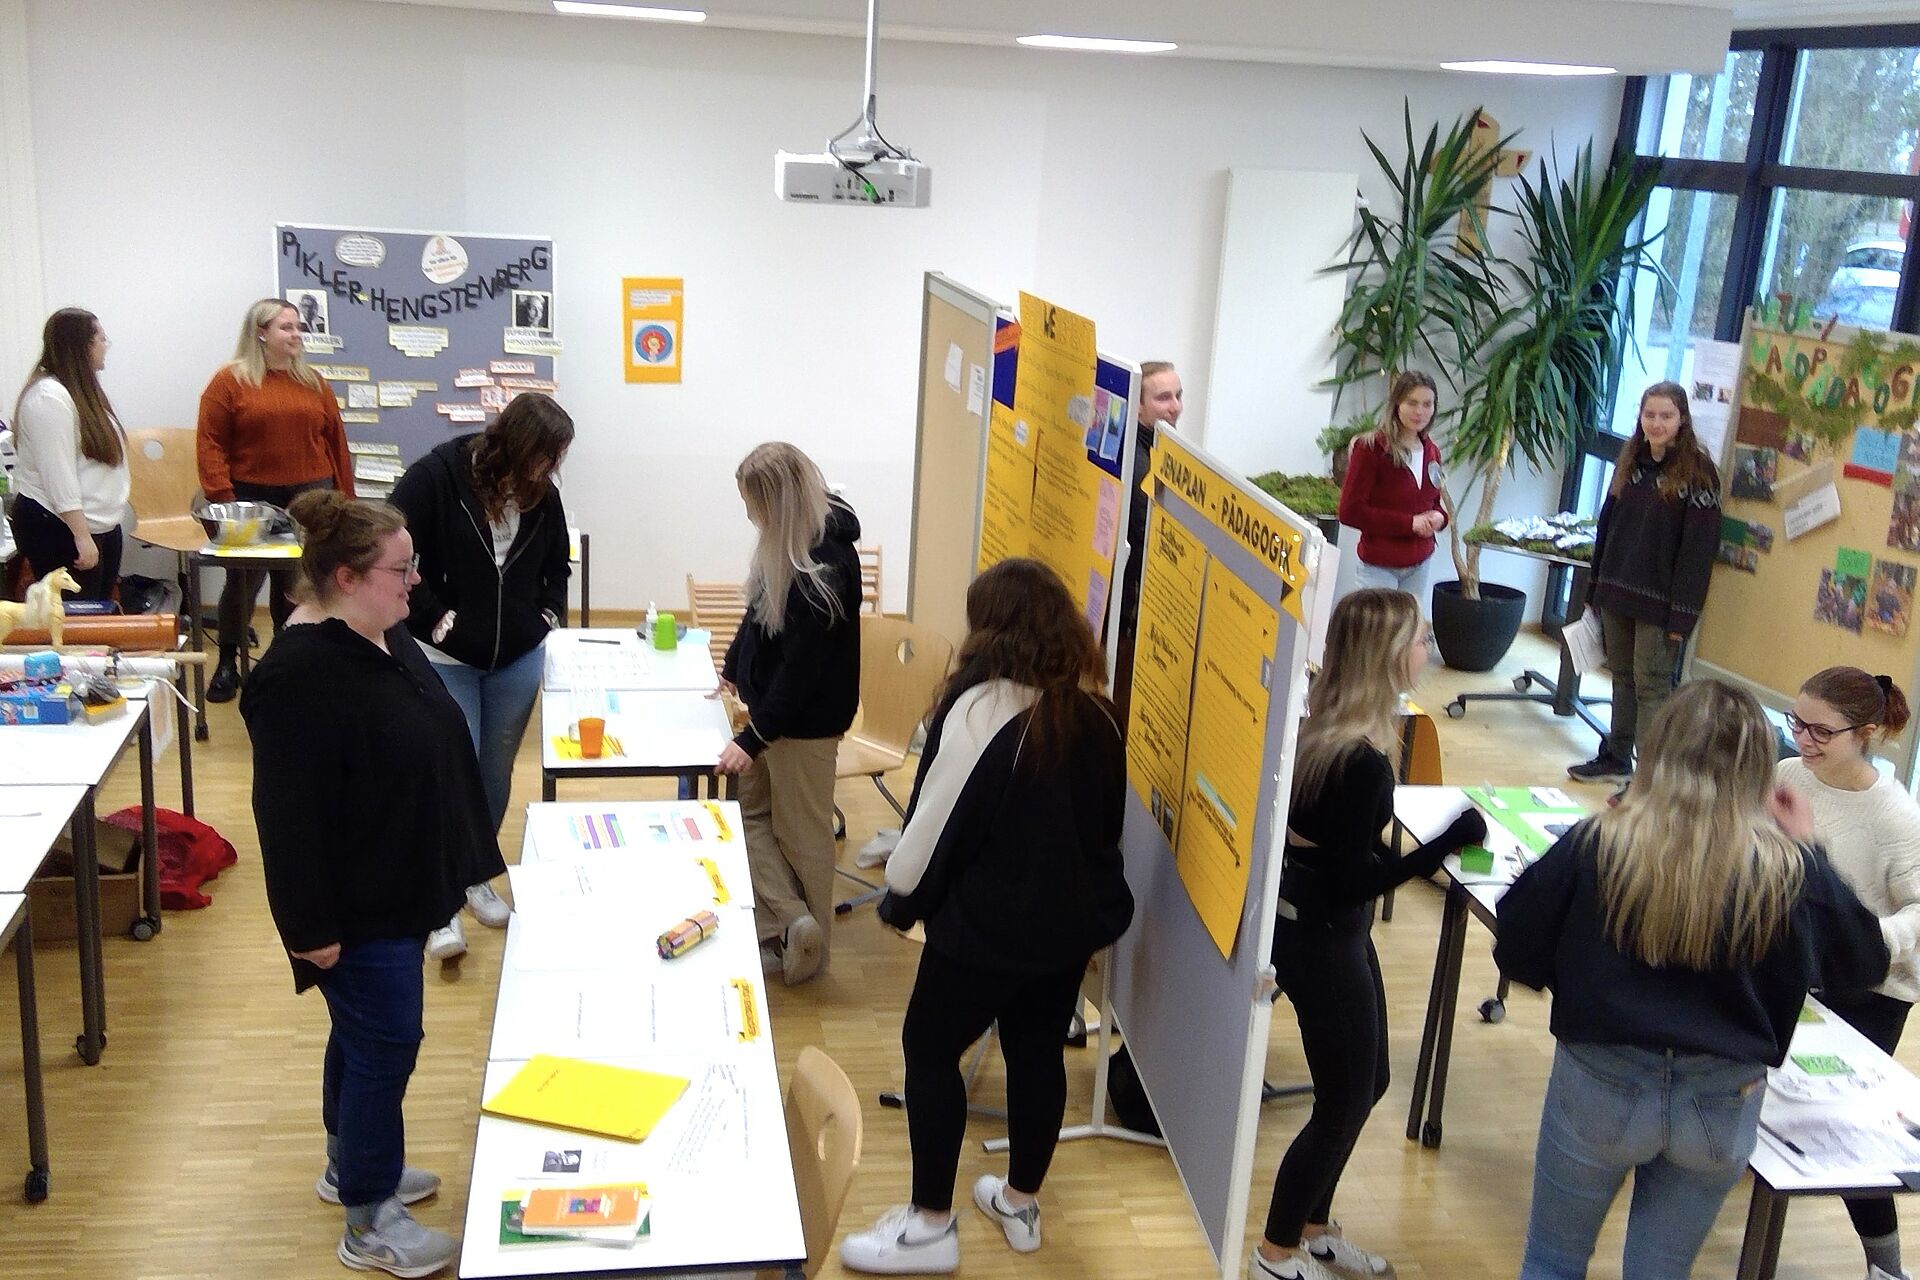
1652, 556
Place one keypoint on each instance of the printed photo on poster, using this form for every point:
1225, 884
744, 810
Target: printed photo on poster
1760, 537
533, 309
1799, 446
1754, 472
1903, 527
1890, 597
312, 306
1739, 557
1841, 600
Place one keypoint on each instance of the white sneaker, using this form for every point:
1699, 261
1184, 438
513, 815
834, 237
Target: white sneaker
875, 852
487, 906
804, 952
1345, 1258
1022, 1226
1881, 1273
1258, 1268
901, 1245
449, 943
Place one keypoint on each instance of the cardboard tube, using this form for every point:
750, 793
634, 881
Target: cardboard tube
118, 631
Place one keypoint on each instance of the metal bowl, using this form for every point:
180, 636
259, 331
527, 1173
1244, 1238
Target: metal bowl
242, 524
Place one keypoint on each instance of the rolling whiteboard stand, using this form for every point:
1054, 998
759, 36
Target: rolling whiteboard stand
1230, 587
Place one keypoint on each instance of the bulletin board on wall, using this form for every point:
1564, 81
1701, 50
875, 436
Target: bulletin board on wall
423, 336
1820, 531
956, 362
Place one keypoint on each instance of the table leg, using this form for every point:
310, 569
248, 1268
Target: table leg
1766, 1221
547, 785
196, 641
149, 923
39, 1166
183, 734
86, 910
1429, 1035
586, 579
1443, 1045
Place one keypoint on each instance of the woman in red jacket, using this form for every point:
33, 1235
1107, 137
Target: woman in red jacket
1392, 492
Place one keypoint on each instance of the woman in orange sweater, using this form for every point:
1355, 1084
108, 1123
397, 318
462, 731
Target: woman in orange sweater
269, 429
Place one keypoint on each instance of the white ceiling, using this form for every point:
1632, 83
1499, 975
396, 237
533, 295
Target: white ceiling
1636, 36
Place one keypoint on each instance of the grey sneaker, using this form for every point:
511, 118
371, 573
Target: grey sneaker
396, 1244
1604, 767
805, 950
415, 1185
1021, 1226
487, 906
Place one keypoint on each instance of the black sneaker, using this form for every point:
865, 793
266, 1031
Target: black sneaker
1602, 768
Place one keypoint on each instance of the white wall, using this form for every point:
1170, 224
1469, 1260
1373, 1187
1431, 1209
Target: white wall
168, 136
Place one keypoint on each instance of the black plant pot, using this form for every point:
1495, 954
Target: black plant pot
1474, 635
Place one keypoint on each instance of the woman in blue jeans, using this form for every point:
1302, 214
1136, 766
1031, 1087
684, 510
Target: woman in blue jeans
1679, 932
487, 520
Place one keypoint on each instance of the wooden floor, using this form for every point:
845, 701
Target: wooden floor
191, 1150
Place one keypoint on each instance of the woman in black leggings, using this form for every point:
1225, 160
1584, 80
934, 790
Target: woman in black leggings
1011, 854
1323, 955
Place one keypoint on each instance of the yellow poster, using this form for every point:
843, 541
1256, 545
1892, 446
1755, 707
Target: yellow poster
1227, 740
1053, 396
1007, 500
1274, 542
1172, 578
650, 311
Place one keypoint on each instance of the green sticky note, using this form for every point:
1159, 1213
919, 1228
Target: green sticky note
1733, 531
1852, 564
1476, 860
1809, 1014
1822, 1064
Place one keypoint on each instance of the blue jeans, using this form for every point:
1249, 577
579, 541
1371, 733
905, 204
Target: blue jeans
497, 705
1682, 1123
375, 995
1412, 580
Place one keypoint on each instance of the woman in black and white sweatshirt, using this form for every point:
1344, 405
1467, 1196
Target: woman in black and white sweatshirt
1011, 856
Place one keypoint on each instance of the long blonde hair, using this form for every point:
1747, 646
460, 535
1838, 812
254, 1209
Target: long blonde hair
786, 499
1355, 700
249, 363
1693, 871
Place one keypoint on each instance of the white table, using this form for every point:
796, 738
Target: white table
31, 819
82, 755
663, 733
16, 926
574, 983
574, 830
1778, 1177
617, 658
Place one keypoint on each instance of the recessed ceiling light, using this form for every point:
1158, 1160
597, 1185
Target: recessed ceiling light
1498, 67
1097, 44
643, 12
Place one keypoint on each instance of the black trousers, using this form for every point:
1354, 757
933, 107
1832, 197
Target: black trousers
1880, 1019
1332, 976
243, 585
952, 1006
47, 543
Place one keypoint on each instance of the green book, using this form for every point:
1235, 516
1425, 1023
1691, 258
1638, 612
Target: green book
1537, 816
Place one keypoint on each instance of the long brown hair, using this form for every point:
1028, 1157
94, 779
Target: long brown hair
338, 532
1386, 436
1861, 699
1023, 626
66, 356
1689, 468
514, 459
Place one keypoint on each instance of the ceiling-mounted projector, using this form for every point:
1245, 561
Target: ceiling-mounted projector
859, 166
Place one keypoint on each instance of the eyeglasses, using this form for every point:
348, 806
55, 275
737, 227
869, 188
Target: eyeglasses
410, 569
1819, 733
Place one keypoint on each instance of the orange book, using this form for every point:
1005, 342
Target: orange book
566, 1210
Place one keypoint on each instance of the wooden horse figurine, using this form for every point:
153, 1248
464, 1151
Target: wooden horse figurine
43, 609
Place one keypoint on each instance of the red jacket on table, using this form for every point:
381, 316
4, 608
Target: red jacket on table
1381, 497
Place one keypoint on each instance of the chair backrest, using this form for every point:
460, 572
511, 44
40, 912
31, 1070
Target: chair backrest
718, 608
1422, 742
869, 579
901, 667
164, 471
823, 1131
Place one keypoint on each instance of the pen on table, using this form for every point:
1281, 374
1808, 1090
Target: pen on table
1781, 1138
1907, 1123
592, 640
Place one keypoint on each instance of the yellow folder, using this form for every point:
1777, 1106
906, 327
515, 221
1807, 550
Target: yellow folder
593, 1097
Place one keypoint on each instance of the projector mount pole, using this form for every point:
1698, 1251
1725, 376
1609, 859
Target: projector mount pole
862, 140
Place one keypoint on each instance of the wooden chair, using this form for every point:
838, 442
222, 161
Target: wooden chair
1419, 766
718, 608
869, 579
823, 1131
901, 667
165, 479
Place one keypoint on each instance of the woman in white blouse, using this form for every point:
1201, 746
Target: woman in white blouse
1870, 828
71, 477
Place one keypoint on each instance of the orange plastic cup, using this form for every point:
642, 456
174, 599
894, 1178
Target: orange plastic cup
593, 736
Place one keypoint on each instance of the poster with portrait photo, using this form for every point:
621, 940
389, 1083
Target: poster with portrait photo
311, 304
533, 309
1841, 600
1890, 597
1754, 473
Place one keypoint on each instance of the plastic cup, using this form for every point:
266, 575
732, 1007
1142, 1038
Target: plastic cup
592, 736
665, 635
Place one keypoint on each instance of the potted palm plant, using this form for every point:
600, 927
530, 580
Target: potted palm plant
1545, 372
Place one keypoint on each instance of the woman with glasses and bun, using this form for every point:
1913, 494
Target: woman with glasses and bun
373, 821
1870, 827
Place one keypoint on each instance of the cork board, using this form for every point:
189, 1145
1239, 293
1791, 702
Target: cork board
956, 371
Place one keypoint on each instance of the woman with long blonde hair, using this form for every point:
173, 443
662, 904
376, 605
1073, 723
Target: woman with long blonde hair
1679, 932
1323, 957
270, 430
795, 663
1392, 492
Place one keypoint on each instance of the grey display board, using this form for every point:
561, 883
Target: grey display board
482, 304
1195, 1020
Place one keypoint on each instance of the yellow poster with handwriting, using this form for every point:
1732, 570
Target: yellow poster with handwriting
1053, 393
1172, 577
1227, 736
1006, 503
1271, 540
